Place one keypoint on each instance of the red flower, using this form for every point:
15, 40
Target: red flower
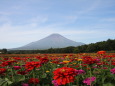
44, 60
38, 57
22, 72
16, 58
64, 75
56, 62
32, 65
33, 80
2, 70
7, 63
112, 63
5, 58
89, 60
17, 67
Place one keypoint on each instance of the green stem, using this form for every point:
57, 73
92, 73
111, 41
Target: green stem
12, 73
110, 62
33, 72
77, 81
90, 75
103, 79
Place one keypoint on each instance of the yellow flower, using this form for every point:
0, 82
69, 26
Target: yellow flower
66, 61
18, 63
50, 62
79, 59
67, 56
47, 71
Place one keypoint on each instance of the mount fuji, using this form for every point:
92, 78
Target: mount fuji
51, 41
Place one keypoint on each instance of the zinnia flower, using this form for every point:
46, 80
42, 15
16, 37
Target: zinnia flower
6, 63
89, 60
2, 70
101, 52
80, 71
32, 65
64, 75
55, 83
44, 60
79, 59
66, 61
17, 67
89, 80
33, 80
25, 84
22, 72
112, 71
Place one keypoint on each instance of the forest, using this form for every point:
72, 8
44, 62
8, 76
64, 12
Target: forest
108, 45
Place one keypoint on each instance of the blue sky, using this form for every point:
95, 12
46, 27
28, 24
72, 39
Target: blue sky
25, 21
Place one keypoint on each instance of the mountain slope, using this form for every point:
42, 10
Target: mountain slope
52, 41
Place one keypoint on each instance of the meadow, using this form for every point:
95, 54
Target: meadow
82, 69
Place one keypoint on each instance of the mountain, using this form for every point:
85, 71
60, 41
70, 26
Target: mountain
51, 41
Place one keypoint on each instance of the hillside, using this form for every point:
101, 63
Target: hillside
51, 41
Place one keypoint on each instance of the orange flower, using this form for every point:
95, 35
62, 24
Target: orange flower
101, 52
66, 61
79, 59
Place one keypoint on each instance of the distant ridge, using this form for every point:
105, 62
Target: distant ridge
51, 41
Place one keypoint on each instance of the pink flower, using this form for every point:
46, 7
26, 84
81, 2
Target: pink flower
25, 84
112, 71
89, 80
55, 83
80, 71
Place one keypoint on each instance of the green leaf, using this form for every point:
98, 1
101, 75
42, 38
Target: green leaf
108, 84
8, 81
44, 75
5, 82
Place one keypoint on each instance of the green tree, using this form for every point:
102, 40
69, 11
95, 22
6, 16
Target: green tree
4, 50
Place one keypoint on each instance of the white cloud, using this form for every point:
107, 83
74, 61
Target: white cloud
12, 34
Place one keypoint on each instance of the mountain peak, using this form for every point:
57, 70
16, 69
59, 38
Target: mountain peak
55, 34
52, 41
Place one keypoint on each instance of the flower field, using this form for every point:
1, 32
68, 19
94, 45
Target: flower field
83, 69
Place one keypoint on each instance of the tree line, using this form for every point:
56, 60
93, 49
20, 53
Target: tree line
108, 45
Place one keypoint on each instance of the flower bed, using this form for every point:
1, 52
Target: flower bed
83, 69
